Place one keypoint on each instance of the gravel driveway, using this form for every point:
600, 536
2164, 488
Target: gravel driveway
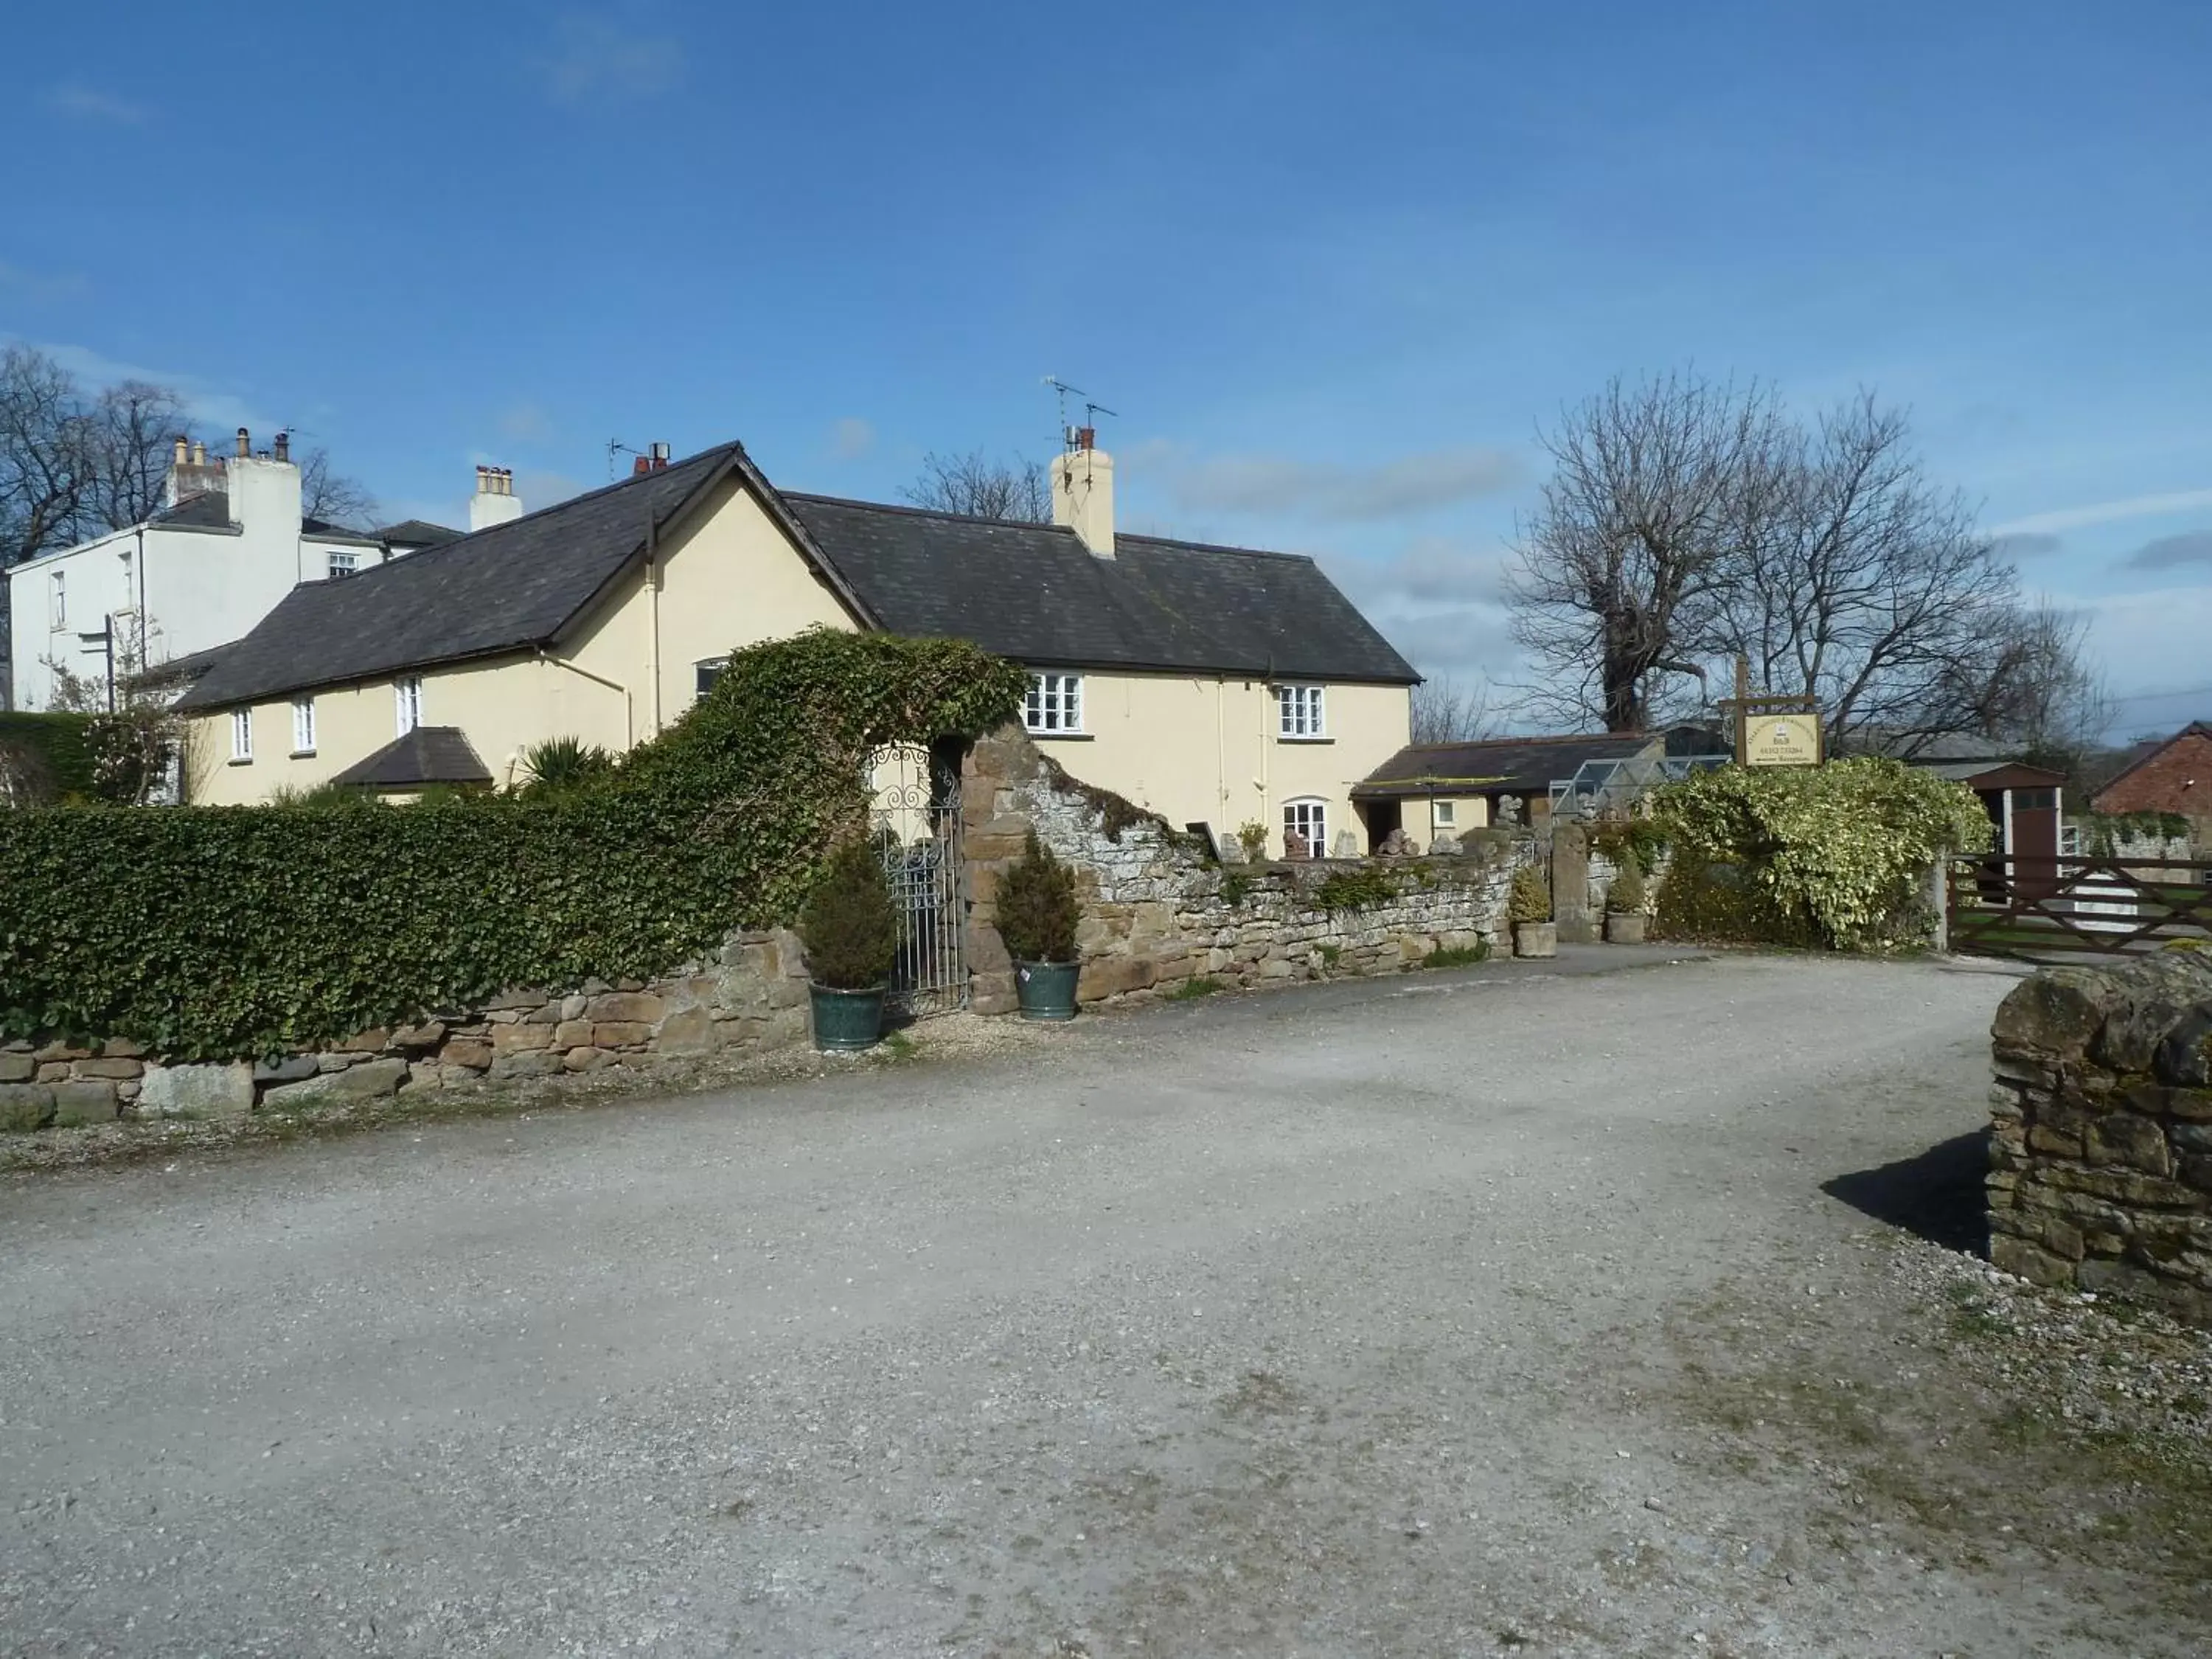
1456, 1314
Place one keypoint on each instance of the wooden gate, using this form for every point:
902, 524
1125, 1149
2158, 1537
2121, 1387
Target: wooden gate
2045, 907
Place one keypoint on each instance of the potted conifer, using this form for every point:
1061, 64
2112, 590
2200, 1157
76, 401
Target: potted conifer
1530, 909
1624, 905
851, 933
1038, 914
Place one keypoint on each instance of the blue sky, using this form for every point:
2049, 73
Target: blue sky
1332, 265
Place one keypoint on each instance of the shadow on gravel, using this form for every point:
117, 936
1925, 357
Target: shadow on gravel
1937, 1196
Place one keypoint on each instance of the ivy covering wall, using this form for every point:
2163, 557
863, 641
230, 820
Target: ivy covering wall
211, 932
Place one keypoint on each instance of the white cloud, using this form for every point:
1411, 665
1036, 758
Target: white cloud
84, 103
2028, 545
212, 407
852, 437
35, 287
1331, 490
594, 62
2151, 642
2078, 518
525, 423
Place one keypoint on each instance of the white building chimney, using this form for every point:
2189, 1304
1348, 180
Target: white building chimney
265, 493
1083, 492
190, 473
495, 501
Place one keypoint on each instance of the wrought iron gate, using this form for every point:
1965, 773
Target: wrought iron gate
916, 822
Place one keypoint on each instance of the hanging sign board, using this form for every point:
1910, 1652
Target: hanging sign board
1788, 739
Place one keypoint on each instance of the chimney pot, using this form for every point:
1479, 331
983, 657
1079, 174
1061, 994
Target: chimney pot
184, 452
245, 443
283, 445
1086, 437
640, 467
199, 453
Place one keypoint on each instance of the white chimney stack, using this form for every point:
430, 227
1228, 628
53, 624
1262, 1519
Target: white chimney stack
1082, 494
495, 501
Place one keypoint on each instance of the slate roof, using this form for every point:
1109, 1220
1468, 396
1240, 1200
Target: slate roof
508, 588
1033, 592
419, 532
209, 510
190, 666
2141, 753
1520, 766
429, 754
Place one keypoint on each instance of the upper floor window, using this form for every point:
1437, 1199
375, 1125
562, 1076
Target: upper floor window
1305, 830
1298, 709
241, 734
407, 694
704, 674
1055, 703
303, 726
343, 563
58, 603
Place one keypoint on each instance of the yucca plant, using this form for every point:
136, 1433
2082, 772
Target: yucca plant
559, 764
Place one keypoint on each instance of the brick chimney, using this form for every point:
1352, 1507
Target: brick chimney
495, 501
1083, 492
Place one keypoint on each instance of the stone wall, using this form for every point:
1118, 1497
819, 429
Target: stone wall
2100, 1170
751, 997
1158, 912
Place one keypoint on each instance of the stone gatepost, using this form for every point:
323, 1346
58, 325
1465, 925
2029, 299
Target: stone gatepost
1570, 907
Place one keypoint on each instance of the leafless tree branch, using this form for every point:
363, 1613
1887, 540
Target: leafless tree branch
981, 487
1445, 710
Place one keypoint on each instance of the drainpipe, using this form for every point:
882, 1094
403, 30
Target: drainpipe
652, 604
1221, 754
1266, 697
629, 726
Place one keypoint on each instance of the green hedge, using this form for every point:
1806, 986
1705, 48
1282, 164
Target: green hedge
236, 932
1836, 852
62, 741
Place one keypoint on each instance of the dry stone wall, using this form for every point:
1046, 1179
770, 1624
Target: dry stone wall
751, 996
1158, 912
2100, 1171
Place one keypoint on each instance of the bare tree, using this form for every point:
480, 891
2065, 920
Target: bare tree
330, 496
1447, 711
130, 431
1688, 524
1868, 588
980, 487
1654, 489
44, 456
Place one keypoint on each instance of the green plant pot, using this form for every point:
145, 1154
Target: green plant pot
846, 1022
1624, 926
1047, 989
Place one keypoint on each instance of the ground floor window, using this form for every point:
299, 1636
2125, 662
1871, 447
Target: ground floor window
704, 674
1055, 703
1447, 813
1305, 830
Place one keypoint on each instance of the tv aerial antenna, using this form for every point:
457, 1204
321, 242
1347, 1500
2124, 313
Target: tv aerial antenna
1092, 411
